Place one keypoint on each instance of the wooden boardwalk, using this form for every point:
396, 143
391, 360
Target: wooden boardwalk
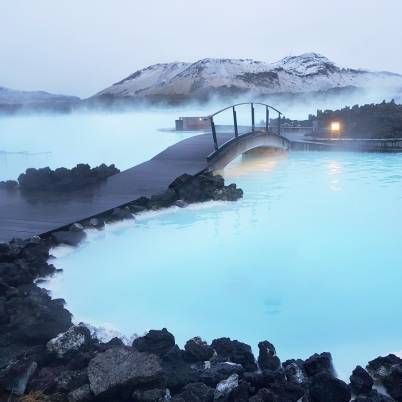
22, 216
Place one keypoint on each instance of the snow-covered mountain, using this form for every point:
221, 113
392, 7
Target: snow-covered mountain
13, 97
308, 72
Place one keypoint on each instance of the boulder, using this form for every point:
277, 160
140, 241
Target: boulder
198, 350
195, 392
16, 375
96, 223
69, 380
393, 382
137, 209
80, 394
264, 395
35, 318
196, 188
381, 366
120, 370
71, 238
294, 371
163, 200
155, 341
236, 352
225, 387
65, 344
228, 193
326, 388
180, 203
373, 396
360, 381
151, 395
319, 363
62, 179
267, 358
76, 227
178, 371
120, 214
211, 373
275, 382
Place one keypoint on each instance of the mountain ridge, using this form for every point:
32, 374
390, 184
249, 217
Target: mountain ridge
308, 72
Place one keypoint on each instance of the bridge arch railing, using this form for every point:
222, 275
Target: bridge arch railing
268, 108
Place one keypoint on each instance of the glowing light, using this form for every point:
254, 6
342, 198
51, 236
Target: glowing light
335, 126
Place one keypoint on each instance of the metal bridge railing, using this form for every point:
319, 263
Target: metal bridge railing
235, 124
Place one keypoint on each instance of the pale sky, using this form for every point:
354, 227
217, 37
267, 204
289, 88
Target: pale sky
79, 47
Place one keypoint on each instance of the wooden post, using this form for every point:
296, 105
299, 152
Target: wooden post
252, 118
235, 122
214, 133
279, 123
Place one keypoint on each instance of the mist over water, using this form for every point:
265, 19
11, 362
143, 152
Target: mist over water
124, 139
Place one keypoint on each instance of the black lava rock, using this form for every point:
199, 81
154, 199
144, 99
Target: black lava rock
155, 341
319, 363
393, 382
195, 392
235, 351
204, 187
62, 179
8, 185
373, 396
294, 371
267, 358
198, 350
360, 381
178, 372
69, 237
380, 367
326, 388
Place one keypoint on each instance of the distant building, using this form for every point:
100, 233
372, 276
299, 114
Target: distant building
192, 123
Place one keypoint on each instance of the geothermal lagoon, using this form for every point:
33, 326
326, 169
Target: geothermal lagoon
309, 258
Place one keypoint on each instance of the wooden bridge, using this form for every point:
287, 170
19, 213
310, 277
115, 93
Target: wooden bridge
23, 216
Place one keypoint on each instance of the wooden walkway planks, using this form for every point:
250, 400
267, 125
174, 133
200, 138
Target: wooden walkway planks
23, 217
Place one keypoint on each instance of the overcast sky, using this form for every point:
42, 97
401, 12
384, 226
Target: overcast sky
81, 46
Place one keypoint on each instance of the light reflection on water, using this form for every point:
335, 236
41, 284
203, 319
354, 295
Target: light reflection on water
309, 259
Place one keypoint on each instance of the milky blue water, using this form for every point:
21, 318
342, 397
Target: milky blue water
125, 139
310, 259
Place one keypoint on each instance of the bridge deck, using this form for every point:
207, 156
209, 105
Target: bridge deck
23, 217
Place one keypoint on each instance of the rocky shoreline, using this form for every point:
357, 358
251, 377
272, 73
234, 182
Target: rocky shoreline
44, 357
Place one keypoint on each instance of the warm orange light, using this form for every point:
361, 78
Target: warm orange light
336, 126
